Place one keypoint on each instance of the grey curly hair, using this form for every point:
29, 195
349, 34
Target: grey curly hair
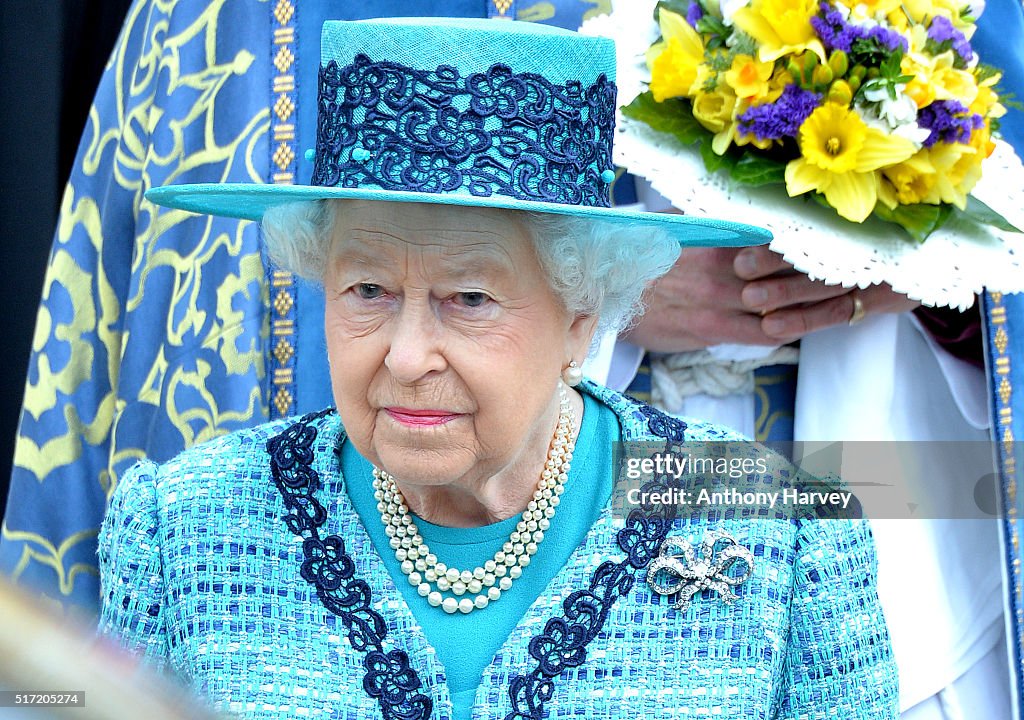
594, 268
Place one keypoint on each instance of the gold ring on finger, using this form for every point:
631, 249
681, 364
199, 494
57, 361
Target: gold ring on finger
858, 308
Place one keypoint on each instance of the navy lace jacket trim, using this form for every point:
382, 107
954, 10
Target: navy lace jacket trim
383, 125
389, 679
563, 644
330, 569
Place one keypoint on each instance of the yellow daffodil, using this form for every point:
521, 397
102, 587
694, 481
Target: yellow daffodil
780, 27
935, 77
918, 64
781, 79
908, 182
951, 83
714, 110
986, 146
922, 93
917, 10
676, 60
749, 78
744, 139
840, 155
958, 168
987, 102
922, 10
898, 20
719, 112
953, 161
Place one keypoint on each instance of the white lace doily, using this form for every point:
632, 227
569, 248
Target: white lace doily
955, 263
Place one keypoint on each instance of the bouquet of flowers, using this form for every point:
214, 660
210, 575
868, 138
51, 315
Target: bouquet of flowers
872, 108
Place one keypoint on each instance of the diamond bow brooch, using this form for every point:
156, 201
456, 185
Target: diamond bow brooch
678, 570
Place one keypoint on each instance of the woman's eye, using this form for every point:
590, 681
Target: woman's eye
472, 299
369, 291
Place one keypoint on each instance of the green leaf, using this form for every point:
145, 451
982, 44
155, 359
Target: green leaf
983, 72
983, 214
679, 7
756, 170
672, 117
710, 25
919, 220
713, 161
742, 44
891, 65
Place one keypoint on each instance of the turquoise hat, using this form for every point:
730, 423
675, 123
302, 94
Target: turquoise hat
470, 112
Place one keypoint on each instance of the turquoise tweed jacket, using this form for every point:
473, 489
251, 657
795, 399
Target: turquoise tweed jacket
242, 566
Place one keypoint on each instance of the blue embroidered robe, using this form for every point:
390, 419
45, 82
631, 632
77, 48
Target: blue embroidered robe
243, 567
159, 329
1000, 41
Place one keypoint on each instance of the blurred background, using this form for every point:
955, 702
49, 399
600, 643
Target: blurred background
52, 54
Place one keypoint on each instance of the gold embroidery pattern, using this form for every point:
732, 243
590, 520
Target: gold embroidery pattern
283, 289
36, 548
149, 335
538, 12
1003, 433
545, 10
766, 419
601, 7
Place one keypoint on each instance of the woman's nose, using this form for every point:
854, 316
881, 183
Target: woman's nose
415, 349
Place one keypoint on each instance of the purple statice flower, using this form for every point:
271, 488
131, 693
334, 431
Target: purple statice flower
694, 12
888, 40
782, 118
941, 32
949, 122
837, 34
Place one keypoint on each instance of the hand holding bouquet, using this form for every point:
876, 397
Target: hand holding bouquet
872, 108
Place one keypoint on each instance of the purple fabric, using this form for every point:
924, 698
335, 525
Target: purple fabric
959, 333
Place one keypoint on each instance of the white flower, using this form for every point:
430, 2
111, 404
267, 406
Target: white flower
877, 93
894, 117
894, 110
898, 112
912, 132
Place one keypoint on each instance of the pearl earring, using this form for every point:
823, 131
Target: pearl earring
572, 375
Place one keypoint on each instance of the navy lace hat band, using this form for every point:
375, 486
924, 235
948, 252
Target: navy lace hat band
462, 112
388, 126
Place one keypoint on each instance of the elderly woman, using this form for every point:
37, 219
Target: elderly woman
443, 544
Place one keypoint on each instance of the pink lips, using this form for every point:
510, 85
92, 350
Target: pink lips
420, 418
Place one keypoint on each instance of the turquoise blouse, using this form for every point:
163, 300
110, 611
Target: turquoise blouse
243, 567
465, 644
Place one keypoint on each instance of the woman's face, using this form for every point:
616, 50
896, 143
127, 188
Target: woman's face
445, 340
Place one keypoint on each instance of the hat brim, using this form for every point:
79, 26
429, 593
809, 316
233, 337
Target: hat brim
250, 201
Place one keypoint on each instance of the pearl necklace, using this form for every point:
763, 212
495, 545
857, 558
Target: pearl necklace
487, 582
